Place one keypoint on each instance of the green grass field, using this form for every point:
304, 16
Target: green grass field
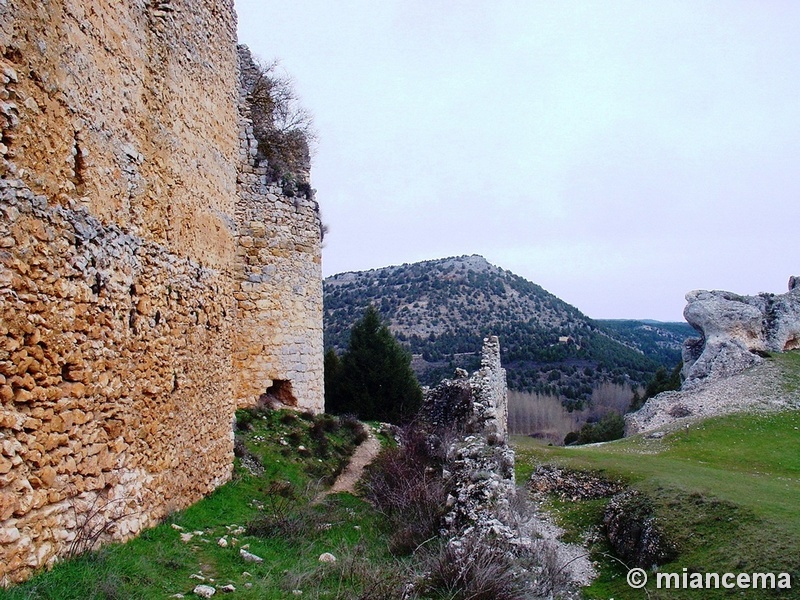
726, 491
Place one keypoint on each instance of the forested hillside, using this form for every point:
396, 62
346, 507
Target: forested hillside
658, 340
442, 309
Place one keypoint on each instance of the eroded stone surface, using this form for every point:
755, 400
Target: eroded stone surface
278, 354
483, 513
736, 329
148, 272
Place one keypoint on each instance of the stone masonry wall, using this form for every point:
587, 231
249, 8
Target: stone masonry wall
114, 380
279, 347
120, 279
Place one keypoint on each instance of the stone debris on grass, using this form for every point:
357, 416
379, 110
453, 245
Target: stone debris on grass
228, 588
572, 485
204, 591
327, 557
222, 542
250, 557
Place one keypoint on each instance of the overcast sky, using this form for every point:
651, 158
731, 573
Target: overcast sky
619, 154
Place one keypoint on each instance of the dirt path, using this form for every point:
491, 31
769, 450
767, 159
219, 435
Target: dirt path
364, 455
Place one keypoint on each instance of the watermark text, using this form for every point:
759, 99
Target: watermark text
637, 579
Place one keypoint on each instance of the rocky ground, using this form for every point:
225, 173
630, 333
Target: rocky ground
572, 558
760, 388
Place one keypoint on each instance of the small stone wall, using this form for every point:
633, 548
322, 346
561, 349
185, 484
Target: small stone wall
476, 404
480, 465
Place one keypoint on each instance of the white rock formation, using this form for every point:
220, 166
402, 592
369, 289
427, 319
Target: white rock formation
737, 330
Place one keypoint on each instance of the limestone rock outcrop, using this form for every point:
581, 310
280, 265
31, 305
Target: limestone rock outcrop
736, 330
724, 370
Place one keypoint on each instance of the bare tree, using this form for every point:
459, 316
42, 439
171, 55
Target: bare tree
283, 128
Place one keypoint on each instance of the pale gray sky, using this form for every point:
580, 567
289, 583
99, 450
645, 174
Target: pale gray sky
619, 154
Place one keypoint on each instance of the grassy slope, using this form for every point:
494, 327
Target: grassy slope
158, 564
727, 491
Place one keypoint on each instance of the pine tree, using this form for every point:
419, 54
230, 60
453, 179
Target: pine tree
373, 379
333, 375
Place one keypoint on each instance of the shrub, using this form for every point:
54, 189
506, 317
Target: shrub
281, 517
288, 418
610, 427
244, 419
327, 422
318, 430
355, 427
661, 382
360, 577
282, 127
405, 484
680, 410
481, 571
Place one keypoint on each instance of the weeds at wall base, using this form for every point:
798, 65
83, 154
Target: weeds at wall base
158, 564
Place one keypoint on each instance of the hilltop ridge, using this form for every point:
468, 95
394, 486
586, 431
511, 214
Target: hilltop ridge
441, 310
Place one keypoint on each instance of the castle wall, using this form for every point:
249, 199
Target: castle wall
119, 290
278, 352
114, 380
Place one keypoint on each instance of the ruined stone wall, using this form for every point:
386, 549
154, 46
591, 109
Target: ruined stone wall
114, 380
278, 350
492, 390
130, 109
120, 148
476, 404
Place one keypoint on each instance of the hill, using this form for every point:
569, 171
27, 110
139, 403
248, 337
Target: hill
442, 309
658, 340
